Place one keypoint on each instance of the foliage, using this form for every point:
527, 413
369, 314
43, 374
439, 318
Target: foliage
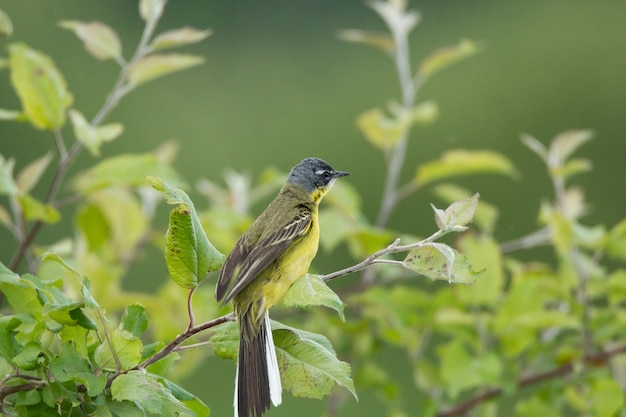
73, 340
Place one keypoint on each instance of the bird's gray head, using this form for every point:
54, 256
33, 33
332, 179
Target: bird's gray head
313, 174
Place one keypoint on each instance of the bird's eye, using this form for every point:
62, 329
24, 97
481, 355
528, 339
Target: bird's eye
327, 174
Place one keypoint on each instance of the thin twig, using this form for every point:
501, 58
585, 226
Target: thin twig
596, 360
190, 308
119, 90
395, 247
537, 238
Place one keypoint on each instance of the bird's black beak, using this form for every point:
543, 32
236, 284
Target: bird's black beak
338, 174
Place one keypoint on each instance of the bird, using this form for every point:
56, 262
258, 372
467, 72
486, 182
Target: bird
270, 256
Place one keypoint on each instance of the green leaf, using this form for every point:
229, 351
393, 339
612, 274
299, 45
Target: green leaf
308, 363
433, 261
381, 41
30, 175
311, 290
34, 209
7, 184
151, 10
125, 169
69, 270
157, 65
69, 365
483, 252
21, 294
462, 370
615, 244
40, 86
144, 389
225, 340
99, 39
28, 358
126, 347
179, 37
134, 319
6, 26
443, 57
8, 345
93, 137
571, 168
536, 406
461, 162
188, 252
190, 401
607, 398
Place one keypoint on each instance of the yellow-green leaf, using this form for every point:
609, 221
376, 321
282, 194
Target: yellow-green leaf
158, 65
36, 210
179, 37
486, 214
189, 254
9, 114
120, 344
7, 184
439, 261
380, 130
30, 175
99, 39
40, 86
6, 26
380, 41
460, 162
151, 10
443, 57
310, 290
93, 137
566, 143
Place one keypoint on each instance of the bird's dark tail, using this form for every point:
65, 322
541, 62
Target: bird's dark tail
258, 379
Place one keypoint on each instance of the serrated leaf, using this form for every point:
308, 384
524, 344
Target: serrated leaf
126, 347
158, 65
99, 39
433, 262
179, 37
93, 137
69, 365
311, 290
460, 162
40, 86
28, 358
34, 209
380, 41
125, 169
9, 114
486, 214
309, 365
30, 175
151, 10
144, 389
7, 184
225, 340
444, 57
566, 143
6, 26
188, 252
134, 319
461, 213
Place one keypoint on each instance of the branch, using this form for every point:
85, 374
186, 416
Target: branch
174, 344
395, 247
119, 90
596, 360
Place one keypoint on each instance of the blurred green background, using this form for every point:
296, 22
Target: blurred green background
278, 86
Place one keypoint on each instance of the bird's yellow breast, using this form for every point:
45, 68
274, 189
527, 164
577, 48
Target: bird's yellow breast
291, 264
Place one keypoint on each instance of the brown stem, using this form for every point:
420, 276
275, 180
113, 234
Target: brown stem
596, 360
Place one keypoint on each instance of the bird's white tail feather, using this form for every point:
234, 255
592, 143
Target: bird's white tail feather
273, 373
236, 396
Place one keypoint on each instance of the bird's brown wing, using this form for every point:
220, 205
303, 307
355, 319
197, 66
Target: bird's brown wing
244, 264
